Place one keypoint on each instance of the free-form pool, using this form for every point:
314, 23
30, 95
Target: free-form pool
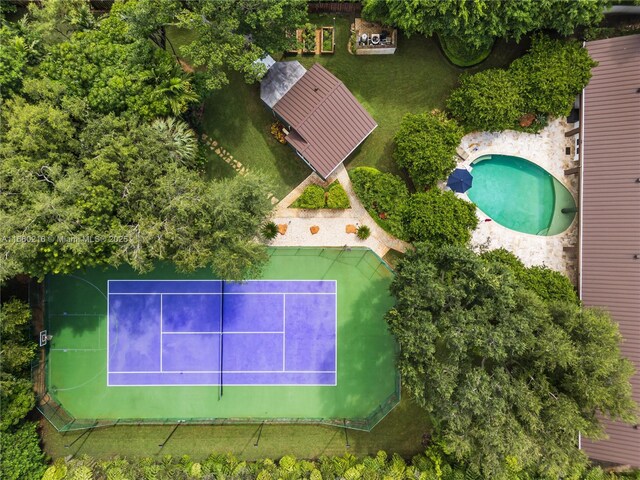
520, 195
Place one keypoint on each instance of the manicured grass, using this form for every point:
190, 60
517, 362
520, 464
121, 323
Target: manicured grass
400, 432
417, 78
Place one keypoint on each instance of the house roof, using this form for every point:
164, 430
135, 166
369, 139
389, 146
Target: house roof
327, 120
278, 80
610, 213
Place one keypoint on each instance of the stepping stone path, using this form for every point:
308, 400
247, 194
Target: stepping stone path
228, 158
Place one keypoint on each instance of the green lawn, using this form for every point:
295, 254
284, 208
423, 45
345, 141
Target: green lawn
400, 432
417, 78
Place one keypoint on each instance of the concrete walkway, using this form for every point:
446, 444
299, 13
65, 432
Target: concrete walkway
332, 223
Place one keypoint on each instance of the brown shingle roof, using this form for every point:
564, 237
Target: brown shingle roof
327, 120
610, 213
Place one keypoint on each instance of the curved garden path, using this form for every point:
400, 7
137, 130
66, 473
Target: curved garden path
332, 223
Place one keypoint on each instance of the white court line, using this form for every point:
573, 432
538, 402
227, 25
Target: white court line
223, 333
224, 371
225, 293
108, 328
334, 384
76, 349
334, 372
161, 332
284, 329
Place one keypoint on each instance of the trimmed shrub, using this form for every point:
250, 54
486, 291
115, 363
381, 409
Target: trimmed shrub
363, 232
383, 195
552, 74
439, 217
269, 230
489, 101
426, 146
312, 197
337, 197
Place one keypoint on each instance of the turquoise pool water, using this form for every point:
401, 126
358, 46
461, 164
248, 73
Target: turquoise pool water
520, 195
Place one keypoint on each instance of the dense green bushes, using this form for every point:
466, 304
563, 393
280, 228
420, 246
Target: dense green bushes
20, 454
542, 83
337, 197
426, 146
383, 195
548, 284
20, 445
489, 100
314, 197
551, 74
434, 464
439, 217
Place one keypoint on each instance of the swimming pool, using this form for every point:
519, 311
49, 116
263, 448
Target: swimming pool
520, 195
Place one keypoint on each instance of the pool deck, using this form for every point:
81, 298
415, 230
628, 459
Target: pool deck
546, 149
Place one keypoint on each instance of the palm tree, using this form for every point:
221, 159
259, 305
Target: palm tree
181, 140
178, 92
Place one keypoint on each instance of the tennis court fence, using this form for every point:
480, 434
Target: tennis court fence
63, 421
47, 404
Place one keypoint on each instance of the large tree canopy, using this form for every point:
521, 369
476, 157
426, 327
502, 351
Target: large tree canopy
234, 34
114, 190
504, 375
478, 22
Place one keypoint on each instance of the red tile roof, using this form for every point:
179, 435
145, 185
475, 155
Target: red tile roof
328, 122
610, 213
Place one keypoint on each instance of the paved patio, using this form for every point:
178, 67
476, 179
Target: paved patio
546, 149
332, 223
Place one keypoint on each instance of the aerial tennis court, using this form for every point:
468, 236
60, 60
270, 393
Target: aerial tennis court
305, 342
210, 332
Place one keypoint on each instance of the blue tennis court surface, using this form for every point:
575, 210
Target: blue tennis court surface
208, 332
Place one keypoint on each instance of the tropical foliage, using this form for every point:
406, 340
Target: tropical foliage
20, 445
433, 464
542, 83
96, 170
426, 146
17, 351
363, 232
551, 74
548, 284
477, 23
233, 35
383, 195
505, 377
20, 454
488, 101
438, 217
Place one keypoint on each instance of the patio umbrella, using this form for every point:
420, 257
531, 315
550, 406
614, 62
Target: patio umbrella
460, 180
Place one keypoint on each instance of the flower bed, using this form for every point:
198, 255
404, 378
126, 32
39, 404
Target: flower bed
328, 40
